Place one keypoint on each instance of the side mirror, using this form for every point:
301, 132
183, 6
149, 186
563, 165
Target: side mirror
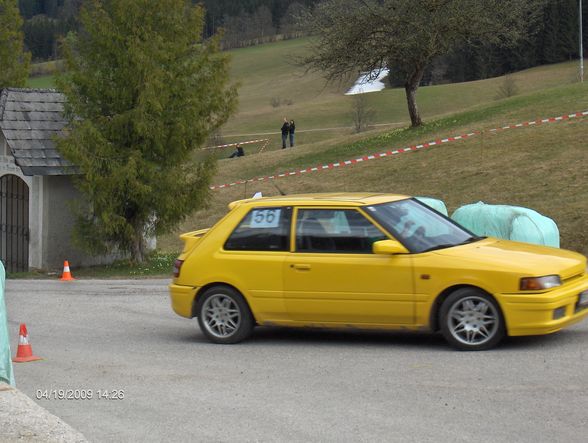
389, 247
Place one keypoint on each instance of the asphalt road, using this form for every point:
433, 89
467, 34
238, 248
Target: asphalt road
284, 384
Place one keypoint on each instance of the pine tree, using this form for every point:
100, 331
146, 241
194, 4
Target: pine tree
14, 62
144, 91
567, 38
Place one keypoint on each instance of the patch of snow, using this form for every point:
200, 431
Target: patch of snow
364, 85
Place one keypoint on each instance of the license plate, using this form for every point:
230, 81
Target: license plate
583, 300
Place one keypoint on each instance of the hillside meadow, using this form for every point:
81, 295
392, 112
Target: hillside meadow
539, 167
272, 73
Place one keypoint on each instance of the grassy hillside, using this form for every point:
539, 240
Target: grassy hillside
270, 71
42, 82
538, 167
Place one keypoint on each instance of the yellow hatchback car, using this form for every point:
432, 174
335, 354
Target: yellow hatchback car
371, 261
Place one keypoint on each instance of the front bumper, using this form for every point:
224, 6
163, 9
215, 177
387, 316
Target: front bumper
535, 314
182, 299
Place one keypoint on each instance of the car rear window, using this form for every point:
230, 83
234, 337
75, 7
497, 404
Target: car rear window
262, 229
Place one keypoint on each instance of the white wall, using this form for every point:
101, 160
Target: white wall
51, 219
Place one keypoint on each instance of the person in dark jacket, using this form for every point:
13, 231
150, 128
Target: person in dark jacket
291, 129
285, 131
239, 152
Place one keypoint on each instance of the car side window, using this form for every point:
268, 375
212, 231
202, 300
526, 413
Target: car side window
335, 231
262, 229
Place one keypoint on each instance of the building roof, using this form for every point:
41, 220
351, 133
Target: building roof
29, 121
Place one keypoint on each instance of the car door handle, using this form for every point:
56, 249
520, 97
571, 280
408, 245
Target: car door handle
301, 267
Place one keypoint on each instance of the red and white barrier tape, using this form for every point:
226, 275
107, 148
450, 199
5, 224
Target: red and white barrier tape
364, 158
240, 143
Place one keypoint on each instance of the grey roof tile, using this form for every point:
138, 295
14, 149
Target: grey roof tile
26, 145
26, 125
31, 134
49, 170
33, 106
37, 95
29, 121
33, 116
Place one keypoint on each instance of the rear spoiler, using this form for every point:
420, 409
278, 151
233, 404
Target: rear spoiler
191, 238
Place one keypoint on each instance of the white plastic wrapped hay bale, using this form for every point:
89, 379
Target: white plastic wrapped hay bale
437, 205
6, 373
509, 223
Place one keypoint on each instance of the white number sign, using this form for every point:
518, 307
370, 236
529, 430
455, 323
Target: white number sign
265, 218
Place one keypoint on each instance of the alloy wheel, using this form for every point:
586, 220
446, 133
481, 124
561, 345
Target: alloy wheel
221, 315
473, 320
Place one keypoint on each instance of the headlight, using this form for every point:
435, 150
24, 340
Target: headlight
537, 283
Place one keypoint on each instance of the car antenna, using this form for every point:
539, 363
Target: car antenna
276, 186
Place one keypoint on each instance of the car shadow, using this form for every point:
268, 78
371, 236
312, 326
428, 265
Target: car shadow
280, 336
549, 341
270, 335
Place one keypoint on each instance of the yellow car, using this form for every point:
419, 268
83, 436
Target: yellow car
370, 261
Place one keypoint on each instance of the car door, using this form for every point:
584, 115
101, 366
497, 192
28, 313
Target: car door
332, 275
252, 260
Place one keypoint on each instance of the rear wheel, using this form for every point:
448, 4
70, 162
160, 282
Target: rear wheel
471, 320
223, 315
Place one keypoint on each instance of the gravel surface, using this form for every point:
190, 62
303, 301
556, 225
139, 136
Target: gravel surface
114, 336
22, 420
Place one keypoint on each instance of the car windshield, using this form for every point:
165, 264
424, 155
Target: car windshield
418, 227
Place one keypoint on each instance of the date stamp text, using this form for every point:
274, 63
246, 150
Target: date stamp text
80, 394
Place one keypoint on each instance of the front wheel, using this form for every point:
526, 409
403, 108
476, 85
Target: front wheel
471, 320
224, 316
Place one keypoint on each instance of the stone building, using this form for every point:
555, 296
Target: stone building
36, 188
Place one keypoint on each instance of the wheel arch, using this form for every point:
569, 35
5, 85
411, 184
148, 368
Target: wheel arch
436, 307
206, 287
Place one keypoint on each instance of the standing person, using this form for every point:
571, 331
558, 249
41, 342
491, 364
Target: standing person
285, 130
291, 129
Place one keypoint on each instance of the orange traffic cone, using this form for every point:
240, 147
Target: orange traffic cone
24, 352
66, 276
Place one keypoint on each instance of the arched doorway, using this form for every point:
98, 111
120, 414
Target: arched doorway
14, 223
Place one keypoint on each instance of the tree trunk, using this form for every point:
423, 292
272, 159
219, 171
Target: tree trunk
410, 87
138, 252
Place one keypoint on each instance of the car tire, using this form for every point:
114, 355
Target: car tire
224, 316
471, 320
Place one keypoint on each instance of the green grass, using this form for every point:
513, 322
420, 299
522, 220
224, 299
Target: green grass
43, 82
156, 265
268, 71
550, 102
541, 167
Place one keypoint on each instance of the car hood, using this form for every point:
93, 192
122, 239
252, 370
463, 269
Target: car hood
526, 258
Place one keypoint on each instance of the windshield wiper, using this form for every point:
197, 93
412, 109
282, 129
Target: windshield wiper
449, 245
441, 246
471, 240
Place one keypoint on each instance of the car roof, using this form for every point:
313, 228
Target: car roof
322, 199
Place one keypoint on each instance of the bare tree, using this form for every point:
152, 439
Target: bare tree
361, 113
507, 88
406, 35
